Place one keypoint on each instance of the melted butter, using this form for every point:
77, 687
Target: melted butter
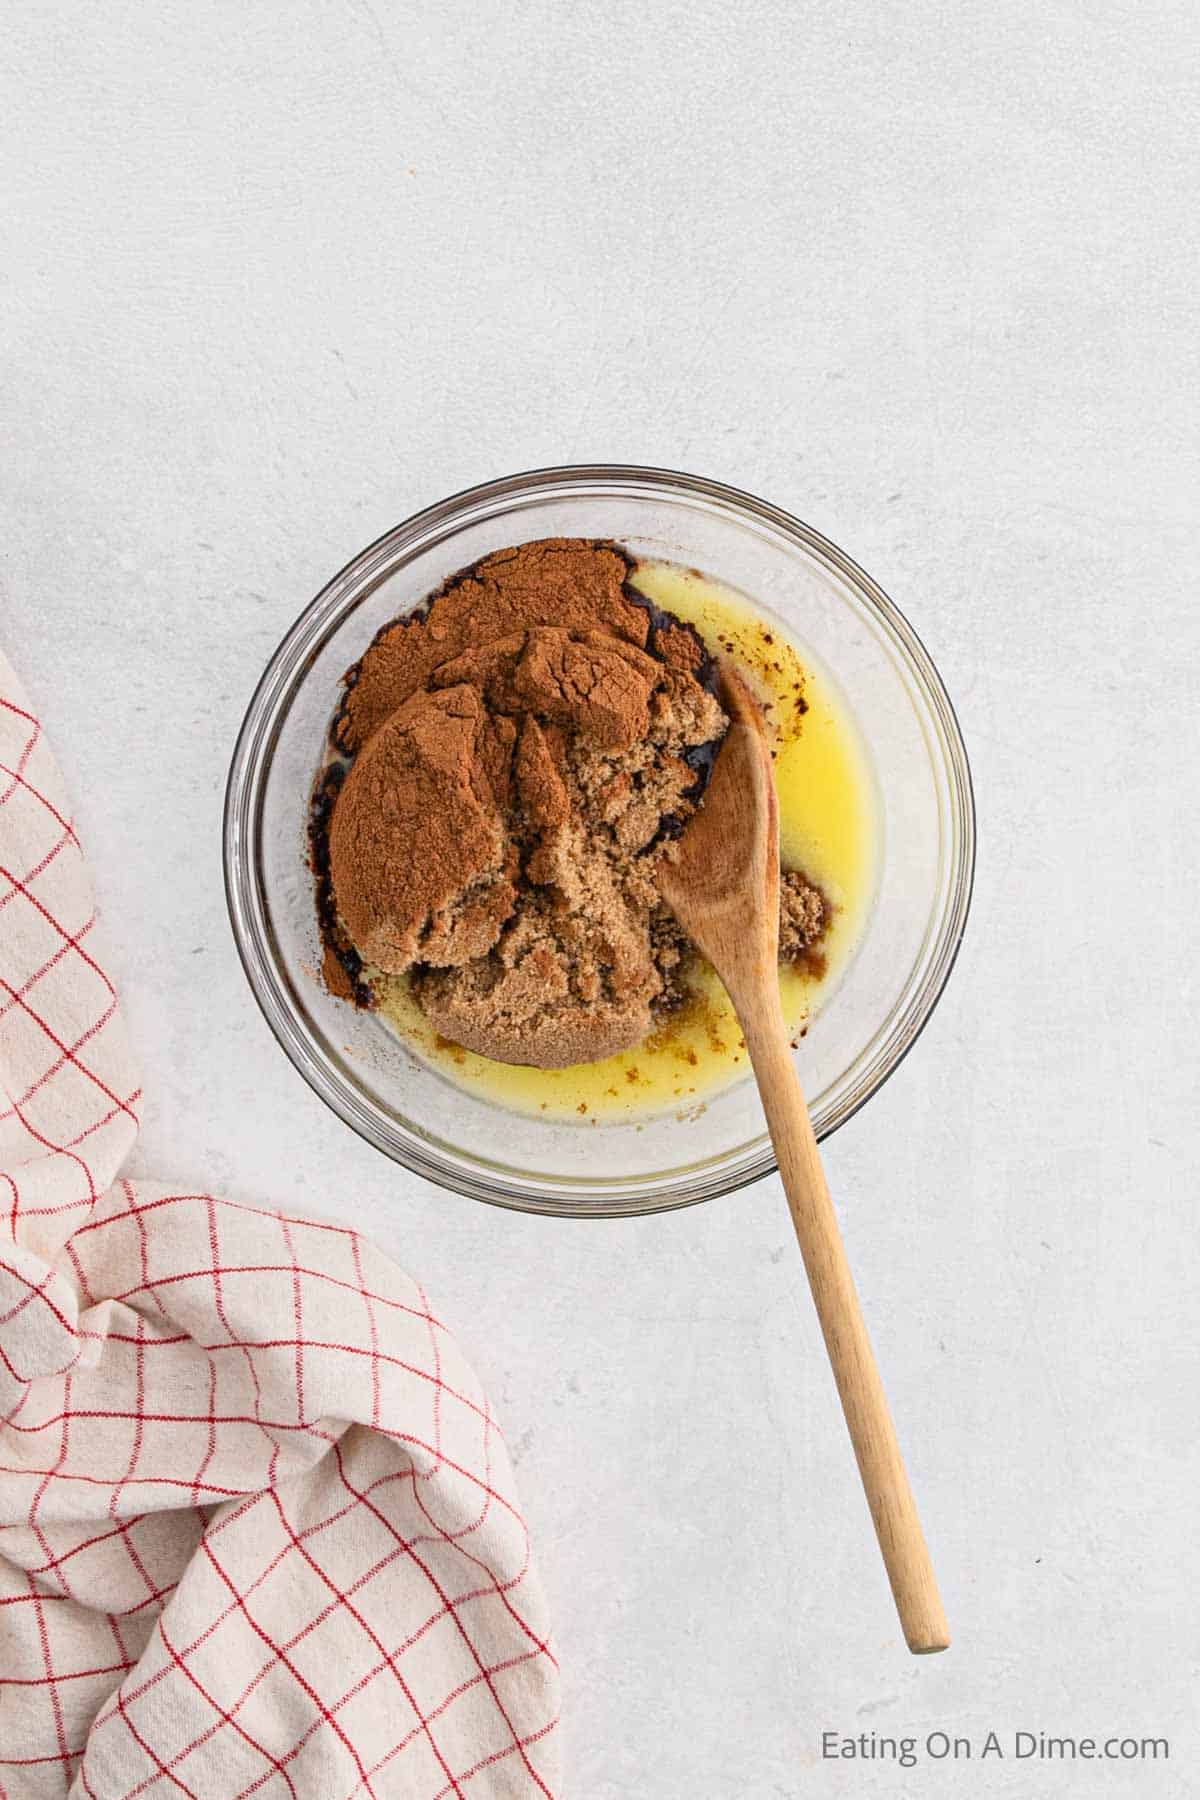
827, 829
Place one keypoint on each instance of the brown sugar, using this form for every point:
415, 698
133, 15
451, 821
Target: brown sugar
508, 762
803, 915
517, 750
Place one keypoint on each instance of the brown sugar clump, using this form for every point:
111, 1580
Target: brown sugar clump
516, 753
508, 762
565, 984
803, 915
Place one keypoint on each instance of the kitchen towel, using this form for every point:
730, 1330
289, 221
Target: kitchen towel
258, 1527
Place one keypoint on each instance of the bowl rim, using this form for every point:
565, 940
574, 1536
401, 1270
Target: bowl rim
243, 804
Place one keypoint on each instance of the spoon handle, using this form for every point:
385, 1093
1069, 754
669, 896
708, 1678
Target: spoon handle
889, 1496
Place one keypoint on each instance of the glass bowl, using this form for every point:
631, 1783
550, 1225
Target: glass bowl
861, 1030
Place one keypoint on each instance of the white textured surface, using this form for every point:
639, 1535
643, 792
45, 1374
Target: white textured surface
924, 275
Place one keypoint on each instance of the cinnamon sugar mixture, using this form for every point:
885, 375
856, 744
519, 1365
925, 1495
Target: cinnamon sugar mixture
510, 761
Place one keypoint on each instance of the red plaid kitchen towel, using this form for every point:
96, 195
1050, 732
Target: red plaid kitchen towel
258, 1530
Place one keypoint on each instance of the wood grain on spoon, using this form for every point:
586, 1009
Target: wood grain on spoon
722, 884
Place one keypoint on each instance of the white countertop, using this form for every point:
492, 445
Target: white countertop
919, 275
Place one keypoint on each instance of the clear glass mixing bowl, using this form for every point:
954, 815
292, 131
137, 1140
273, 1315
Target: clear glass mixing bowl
862, 1029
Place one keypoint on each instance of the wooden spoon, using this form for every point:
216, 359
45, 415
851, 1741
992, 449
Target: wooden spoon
721, 881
